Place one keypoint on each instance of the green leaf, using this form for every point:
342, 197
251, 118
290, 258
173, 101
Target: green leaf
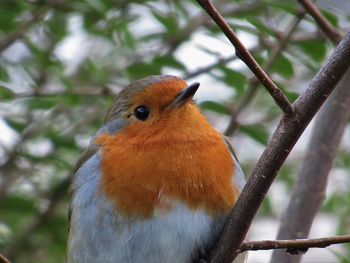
259, 8
233, 78
283, 67
140, 70
314, 49
256, 132
259, 58
208, 50
9, 10
16, 125
283, 5
168, 21
286, 174
330, 17
91, 17
291, 95
57, 25
97, 74
260, 26
71, 100
128, 38
168, 61
60, 140
42, 103
266, 207
343, 159
6, 94
3, 74
341, 258
17, 204
215, 107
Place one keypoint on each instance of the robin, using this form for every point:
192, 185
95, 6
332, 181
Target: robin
156, 183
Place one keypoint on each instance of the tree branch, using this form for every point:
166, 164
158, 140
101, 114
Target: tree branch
221, 61
3, 259
104, 91
253, 85
267, 44
294, 246
323, 23
325, 139
314, 171
32, 128
283, 140
199, 21
55, 196
280, 99
10, 38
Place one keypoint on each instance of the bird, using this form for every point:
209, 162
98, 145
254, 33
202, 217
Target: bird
156, 183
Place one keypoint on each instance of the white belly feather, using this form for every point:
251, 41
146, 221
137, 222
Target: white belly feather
99, 235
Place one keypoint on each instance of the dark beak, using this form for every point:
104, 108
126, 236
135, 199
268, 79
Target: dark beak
184, 96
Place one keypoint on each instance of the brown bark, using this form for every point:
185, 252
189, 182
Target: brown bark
283, 140
294, 246
309, 190
242, 52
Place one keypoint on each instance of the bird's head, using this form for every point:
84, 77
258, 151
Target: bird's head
164, 150
155, 101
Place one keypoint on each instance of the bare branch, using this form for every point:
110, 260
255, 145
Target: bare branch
222, 61
283, 140
294, 246
323, 23
31, 129
325, 139
280, 99
105, 91
199, 21
253, 84
314, 171
3, 259
267, 44
10, 38
55, 196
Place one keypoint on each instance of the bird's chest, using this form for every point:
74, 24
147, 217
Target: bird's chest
100, 232
148, 177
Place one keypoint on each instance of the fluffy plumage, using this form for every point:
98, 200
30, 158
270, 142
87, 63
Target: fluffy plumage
152, 191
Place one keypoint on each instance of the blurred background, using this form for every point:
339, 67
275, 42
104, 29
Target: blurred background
61, 63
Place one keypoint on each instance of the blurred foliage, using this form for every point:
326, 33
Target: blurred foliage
61, 62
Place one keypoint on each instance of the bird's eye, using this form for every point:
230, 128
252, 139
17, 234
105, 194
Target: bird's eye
141, 112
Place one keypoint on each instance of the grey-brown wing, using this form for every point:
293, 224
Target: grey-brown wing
238, 178
86, 155
110, 127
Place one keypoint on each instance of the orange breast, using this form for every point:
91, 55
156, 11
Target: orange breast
144, 169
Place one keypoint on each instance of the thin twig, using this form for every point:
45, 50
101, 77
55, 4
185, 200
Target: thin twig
282, 142
3, 259
32, 128
221, 61
313, 175
267, 44
293, 245
10, 38
54, 198
323, 23
253, 84
198, 21
280, 99
77, 92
